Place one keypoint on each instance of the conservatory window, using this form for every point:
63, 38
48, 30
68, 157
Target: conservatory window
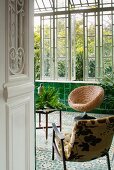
76, 39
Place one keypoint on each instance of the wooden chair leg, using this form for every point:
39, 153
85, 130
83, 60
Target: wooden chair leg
53, 138
108, 161
52, 153
63, 155
60, 120
64, 165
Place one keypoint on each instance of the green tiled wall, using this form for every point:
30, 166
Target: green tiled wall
64, 89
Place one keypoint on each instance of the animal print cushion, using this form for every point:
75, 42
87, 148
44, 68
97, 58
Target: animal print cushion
89, 139
67, 145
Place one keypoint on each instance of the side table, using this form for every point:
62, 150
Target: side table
46, 113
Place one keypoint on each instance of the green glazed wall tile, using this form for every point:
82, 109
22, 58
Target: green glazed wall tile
64, 90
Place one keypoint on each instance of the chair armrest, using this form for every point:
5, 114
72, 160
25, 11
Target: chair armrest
61, 137
57, 132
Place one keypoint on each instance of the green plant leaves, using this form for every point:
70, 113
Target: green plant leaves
49, 98
108, 85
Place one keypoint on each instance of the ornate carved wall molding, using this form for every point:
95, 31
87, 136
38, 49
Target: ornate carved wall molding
16, 30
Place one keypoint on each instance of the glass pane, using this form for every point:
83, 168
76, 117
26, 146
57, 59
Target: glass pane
107, 50
91, 68
107, 25
40, 3
73, 68
91, 45
47, 67
35, 5
76, 2
47, 3
106, 3
61, 52
61, 5
47, 47
107, 40
61, 42
61, 68
47, 32
79, 35
79, 66
108, 66
61, 27
43, 6
91, 25
81, 4
92, 1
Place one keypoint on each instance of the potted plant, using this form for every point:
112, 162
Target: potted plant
49, 99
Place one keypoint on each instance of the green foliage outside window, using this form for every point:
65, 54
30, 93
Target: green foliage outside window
61, 68
108, 85
92, 68
79, 66
37, 54
78, 52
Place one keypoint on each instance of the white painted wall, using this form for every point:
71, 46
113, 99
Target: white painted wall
16, 103
2, 81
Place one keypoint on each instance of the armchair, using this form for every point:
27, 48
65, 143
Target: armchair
89, 139
86, 98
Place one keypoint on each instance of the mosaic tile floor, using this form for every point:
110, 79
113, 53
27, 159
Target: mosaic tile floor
43, 147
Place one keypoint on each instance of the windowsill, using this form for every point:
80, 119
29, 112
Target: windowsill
78, 82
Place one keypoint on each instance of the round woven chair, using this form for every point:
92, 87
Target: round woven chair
86, 98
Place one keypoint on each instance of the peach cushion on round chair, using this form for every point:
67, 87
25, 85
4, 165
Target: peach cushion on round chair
86, 98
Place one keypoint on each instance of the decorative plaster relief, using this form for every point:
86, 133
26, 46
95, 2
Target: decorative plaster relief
16, 36
16, 60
